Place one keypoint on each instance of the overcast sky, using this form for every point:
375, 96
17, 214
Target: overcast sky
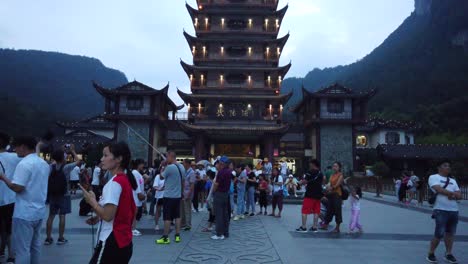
144, 38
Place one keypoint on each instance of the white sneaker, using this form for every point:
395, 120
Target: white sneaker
242, 216
236, 218
136, 232
215, 237
156, 228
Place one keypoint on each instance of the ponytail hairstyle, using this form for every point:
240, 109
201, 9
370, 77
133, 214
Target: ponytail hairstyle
121, 149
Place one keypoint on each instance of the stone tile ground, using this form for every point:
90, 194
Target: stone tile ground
392, 235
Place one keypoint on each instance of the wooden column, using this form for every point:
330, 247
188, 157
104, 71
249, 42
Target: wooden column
200, 147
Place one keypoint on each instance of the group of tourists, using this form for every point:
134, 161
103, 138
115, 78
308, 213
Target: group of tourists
409, 187
117, 192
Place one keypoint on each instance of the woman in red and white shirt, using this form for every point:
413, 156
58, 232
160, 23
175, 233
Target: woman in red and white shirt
116, 208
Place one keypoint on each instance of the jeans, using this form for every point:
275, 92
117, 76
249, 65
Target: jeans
26, 241
231, 200
446, 223
221, 206
240, 201
251, 199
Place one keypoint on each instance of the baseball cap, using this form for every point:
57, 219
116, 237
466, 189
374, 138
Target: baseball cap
224, 159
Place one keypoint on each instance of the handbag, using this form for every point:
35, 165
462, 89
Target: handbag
433, 197
344, 192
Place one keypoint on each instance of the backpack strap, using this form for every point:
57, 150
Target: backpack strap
181, 181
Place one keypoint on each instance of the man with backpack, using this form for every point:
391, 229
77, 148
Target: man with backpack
58, 193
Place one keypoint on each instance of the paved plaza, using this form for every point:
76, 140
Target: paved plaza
393, 234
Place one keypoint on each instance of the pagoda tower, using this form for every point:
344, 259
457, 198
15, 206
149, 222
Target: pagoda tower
235, 107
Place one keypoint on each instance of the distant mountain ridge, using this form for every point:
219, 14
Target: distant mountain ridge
39, 87
420, 69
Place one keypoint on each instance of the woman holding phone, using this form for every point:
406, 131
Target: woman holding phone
116, 208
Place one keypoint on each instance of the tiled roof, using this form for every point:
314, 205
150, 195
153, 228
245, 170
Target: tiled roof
424, 151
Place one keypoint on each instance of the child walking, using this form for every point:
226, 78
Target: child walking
356, 195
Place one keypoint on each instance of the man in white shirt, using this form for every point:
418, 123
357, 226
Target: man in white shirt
8, 162
29, 182
74, 179
445, 211
96, 181
139, 193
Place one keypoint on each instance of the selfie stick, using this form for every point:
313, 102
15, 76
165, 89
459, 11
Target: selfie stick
143, 139
92, 233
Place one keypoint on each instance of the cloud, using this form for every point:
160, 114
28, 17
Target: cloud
303, 8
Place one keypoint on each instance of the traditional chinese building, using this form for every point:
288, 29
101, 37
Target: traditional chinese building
140, 115
235, 106
330, 117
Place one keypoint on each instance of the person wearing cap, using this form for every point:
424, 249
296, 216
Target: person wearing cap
291, 184
221, 199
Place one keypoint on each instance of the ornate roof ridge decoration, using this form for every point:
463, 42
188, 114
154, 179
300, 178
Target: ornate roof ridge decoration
374, 123
189, 69
195, 98
192, 39
251, 11
276, 129
274, 7
88, 122
335, 90
125, 89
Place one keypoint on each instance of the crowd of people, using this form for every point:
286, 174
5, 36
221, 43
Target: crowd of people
119, 190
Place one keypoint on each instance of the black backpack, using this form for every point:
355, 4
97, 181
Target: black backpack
57, 182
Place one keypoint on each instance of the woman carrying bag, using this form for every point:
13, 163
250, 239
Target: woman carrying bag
116, 208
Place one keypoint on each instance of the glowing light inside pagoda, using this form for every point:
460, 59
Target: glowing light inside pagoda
222, 22
250, 23
220, 105
250, 51
206, 23
277, 23
278, 51
280, 79
268, 51
199, 107
269, 80
196, 22
200, 7
249, 79
191, 77
202, 78
221, 78
194, 50
281, 107
249, 106
188, 105
222, 50
204, 50
266, 23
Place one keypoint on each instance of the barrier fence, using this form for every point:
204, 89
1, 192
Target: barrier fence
369, 184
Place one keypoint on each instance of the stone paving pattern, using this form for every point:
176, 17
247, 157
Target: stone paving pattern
392, 235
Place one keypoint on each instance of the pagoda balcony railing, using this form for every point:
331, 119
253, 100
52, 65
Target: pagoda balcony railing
182, 116
215, 28
248, 58
226, 85
269, 3
339, 116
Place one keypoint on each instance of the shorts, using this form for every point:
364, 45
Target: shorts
171, 209
139, 213
74, 184
59, 205
310, 206
6, 218
446, 223
160, 201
